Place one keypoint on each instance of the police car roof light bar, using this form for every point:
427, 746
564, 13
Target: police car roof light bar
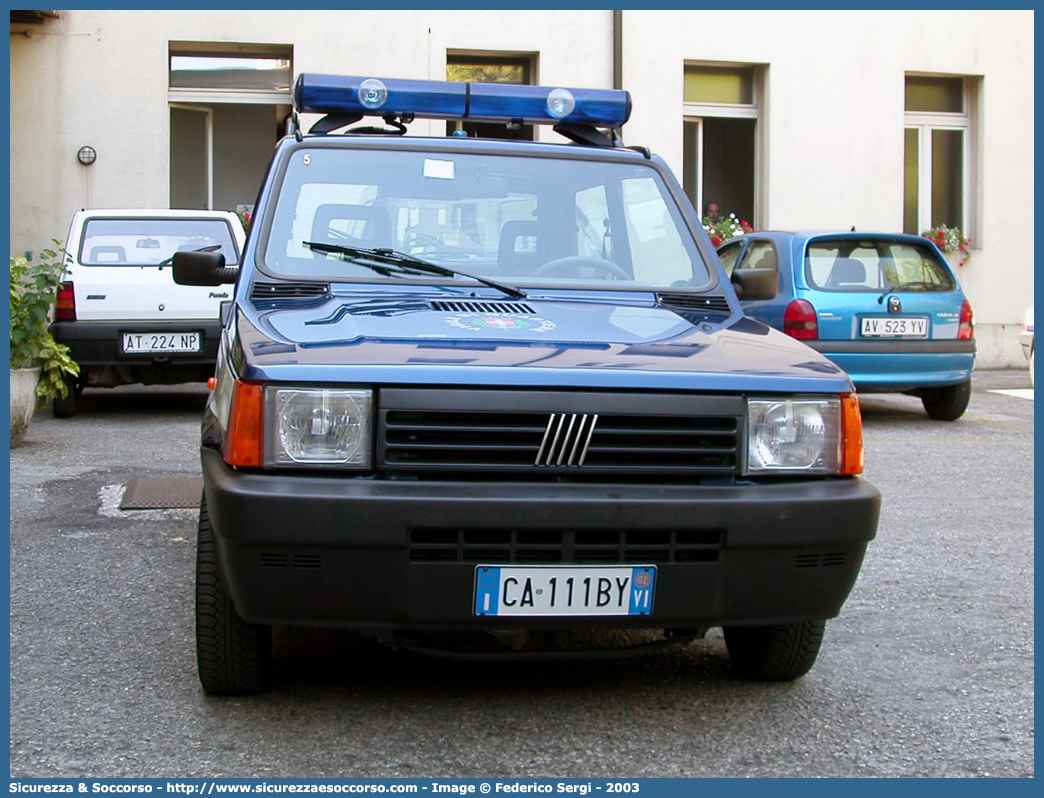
348, 97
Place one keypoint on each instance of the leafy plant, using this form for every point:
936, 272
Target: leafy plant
34, 290
950, 239
725, 228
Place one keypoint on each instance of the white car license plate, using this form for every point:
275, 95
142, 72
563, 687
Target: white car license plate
136, 343
894, 327
548, 590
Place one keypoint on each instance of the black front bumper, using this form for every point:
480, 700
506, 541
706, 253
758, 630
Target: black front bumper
335, 551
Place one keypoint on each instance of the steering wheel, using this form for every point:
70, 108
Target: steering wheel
585, 267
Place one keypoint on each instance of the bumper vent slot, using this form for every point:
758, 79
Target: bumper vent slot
819, 560
307, 561
551, 546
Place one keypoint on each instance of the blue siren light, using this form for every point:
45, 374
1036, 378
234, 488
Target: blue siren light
334, 94
480, 102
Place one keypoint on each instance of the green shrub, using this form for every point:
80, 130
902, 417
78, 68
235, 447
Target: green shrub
34, 290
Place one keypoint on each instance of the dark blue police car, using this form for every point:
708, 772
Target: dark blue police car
497, 386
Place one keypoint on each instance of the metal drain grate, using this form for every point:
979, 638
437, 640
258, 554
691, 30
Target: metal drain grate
162, 493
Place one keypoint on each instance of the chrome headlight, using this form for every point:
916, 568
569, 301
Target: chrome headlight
318, 427
794, 435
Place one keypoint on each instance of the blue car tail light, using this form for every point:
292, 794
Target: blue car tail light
484, 102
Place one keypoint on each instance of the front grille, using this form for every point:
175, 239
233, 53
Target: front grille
577, 546
547, 435
552, 441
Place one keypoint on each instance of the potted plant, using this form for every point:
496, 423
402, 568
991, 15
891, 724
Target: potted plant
950, 239
39, 365
724, 228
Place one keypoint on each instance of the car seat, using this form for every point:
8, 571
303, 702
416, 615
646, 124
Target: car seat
108, 255
847, 271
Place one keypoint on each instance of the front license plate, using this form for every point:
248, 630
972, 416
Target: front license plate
550, 590
138, 343
895, 327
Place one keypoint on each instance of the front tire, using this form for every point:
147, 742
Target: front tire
774, 653
233, 656
949, 403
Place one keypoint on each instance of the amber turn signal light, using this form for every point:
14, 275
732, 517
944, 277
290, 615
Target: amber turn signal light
851, 435
244, 438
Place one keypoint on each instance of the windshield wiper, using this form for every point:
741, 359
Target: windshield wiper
381, 259
888, 289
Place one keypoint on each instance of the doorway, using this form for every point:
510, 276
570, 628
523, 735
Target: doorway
228, 107
719, 164
191, 157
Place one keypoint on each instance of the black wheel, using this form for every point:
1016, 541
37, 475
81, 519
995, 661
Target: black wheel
949, 403
581, 266
65, 406
233, 655
774, 653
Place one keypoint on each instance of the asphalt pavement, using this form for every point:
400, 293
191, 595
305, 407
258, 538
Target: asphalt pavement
927, 672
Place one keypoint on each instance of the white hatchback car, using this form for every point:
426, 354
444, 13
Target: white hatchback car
120, 311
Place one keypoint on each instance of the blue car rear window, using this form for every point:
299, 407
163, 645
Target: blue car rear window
875, 265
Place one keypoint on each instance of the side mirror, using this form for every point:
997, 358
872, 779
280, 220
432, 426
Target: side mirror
755, 284
202, 268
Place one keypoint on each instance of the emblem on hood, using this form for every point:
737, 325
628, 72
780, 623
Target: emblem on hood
515, 322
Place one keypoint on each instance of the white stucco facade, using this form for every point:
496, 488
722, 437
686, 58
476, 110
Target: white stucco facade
830, 108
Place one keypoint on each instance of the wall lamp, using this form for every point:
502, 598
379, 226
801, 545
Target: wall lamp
87, 155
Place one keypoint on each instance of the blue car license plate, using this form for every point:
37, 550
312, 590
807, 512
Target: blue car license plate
563, 590
894, 327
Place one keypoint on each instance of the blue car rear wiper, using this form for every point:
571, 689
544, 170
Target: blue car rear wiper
893, 287
380, 259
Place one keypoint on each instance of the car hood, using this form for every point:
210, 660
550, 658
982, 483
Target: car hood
623, 341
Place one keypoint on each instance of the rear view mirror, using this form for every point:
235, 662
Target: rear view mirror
202, 268
755, 284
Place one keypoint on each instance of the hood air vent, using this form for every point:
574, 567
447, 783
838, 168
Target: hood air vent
480, 307
715, 304
283, 290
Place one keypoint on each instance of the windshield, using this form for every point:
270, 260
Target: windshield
524, 220
875, 266
150, 242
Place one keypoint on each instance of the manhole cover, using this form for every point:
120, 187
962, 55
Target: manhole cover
162, 493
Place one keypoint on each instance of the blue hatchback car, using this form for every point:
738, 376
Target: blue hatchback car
885, 307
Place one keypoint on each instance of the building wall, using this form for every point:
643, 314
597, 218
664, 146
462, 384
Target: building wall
831, 122
99, 78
